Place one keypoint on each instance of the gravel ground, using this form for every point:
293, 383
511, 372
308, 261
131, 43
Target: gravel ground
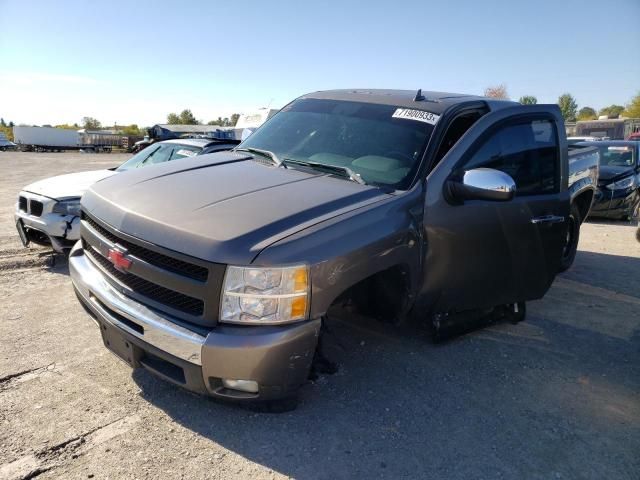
557, 396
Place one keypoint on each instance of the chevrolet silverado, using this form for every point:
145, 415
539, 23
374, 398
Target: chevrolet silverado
215, 272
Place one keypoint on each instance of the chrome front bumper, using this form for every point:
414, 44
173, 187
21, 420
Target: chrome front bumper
104, 298
277, 358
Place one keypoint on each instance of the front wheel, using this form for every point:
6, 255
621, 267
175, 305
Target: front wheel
571, 242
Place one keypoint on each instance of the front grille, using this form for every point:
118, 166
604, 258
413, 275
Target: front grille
170, 298
184, 287
174, 265
36, 207
22, 204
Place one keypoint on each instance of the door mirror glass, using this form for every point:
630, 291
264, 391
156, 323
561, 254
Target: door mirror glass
482, 184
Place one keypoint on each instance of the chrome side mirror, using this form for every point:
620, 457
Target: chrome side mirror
481, 184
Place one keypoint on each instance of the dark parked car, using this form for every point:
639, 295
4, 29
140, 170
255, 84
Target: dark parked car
216, 273
618, 194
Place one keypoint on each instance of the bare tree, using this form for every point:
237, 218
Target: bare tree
497, 91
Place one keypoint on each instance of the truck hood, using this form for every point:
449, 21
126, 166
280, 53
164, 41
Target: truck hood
611, 173
72, 185
224, 207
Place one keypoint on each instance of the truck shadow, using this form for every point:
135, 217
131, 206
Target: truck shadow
496, 402
617, 273
611, 222
56, 263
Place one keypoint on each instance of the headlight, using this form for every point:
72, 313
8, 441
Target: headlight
265, 296
622, 184
67, 207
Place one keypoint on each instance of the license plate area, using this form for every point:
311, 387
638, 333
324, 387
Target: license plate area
117, 344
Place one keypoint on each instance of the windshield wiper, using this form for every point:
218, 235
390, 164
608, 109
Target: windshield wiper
264, 153
337, 169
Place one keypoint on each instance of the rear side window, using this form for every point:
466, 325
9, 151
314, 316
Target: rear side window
527, 151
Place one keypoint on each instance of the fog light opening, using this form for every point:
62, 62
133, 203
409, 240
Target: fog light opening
249, 386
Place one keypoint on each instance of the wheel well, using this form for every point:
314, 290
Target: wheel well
583, 201
384, 295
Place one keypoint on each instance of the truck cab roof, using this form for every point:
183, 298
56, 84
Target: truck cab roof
435, 102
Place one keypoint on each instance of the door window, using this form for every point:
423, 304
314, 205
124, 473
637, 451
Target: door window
527, 151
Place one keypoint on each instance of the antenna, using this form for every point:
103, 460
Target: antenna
419, 97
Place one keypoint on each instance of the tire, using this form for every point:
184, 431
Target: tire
634, 216
570, 246
516, 317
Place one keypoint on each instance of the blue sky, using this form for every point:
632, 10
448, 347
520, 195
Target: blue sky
129, 62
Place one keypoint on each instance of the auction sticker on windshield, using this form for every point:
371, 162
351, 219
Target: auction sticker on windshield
186, 153
418, 115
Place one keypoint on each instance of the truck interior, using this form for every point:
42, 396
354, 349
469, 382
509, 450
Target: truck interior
458, 127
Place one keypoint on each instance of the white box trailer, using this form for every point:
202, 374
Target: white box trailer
249, 122
45, 138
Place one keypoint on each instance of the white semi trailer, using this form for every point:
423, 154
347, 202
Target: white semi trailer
45, 138
56, 139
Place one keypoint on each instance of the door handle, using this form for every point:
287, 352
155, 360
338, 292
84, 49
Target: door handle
547, 219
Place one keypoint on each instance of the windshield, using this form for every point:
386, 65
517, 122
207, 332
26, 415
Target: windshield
159, 153
364, 137
617, 156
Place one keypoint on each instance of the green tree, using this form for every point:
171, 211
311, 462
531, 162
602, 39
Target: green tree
187, 118
6, 129
223, 122
587, 113
90, 123
66, 126
612, 111
633, 107
183, 118
497, 91
568, 107
226, 121
8, 132
132, 130
528, 100
173, 119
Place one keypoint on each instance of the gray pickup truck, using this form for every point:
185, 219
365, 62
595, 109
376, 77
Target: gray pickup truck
215, 273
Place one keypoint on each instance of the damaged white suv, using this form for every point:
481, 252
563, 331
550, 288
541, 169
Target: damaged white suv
48, 211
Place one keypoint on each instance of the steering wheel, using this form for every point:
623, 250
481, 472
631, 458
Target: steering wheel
398, 155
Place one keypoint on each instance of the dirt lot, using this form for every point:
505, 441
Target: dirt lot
557, 396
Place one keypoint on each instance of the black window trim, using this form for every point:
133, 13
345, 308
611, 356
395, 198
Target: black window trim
447, 118
515, 120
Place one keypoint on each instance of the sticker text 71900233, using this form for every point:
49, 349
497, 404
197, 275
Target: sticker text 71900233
418, 115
